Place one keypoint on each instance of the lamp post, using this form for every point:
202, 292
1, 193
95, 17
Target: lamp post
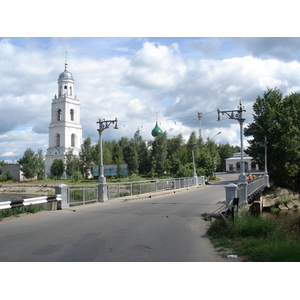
102, 190
212, 162
193, 146
237, 115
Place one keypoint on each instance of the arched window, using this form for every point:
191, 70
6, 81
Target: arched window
70, 91
73, 137
59, 114
58, 140
66, 90
72, 114
60, 90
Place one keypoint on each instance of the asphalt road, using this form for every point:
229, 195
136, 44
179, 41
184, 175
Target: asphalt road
163, 228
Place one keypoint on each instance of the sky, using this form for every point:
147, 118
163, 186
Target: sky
138, 80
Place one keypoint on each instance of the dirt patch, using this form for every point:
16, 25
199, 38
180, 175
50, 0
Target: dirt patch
27, 189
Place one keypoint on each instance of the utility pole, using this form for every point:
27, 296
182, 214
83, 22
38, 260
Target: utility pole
102, 189
237, 115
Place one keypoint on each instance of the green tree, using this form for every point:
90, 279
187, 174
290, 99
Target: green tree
174, 153
2, 163
276, 119
57, 168
86, 157
29, 164
40, 165
131, 157
159, 152
72, 163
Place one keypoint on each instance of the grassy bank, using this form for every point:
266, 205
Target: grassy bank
257, 238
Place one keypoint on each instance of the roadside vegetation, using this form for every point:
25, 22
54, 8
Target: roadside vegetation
257, 238
19, 210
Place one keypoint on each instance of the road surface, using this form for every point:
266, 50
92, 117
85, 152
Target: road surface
163, 228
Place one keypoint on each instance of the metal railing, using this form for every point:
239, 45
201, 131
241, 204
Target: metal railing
30, 201
246, 191
115, 190
82, 194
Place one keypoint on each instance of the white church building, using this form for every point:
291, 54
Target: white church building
65, 130
233, 164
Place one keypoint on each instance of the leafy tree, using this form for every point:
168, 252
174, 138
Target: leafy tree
86, 156
29, 164
2, 163
57, 168
174, 153
276, 119
144, 163
40, 164
131, 157
72, 163
159, 152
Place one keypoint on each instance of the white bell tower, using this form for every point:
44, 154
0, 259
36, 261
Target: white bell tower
65, 131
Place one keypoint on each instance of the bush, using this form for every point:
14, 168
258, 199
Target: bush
3, 178
77, 176
8, 175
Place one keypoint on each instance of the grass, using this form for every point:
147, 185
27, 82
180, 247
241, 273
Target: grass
258, 238
19, 210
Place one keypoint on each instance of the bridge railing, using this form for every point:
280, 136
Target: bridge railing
245, 191
83, 194
121, 189
55, 199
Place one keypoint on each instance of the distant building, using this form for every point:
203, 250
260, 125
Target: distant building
15, 171
110, 170
233, 164
65, 131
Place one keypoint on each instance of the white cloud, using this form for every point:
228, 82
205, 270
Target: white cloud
152, 78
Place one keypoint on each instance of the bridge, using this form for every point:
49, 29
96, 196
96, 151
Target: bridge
237, 194
245, 193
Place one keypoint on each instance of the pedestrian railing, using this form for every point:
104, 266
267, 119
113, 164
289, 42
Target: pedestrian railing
115, 190
245, 191
84, 194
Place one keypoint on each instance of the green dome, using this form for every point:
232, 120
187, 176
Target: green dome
156, 131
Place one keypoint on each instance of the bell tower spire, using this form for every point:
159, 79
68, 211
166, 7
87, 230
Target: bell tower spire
65, 131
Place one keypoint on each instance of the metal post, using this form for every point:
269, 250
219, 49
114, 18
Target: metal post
237, 115
102, 187
195, 174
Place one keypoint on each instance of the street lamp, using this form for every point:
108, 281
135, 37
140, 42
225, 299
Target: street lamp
103, 124
237, 115
193, 146
212, 162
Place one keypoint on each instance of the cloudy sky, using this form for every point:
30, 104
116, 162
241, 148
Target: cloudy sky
138, 79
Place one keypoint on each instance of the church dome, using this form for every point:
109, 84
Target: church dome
156, 131
65, 74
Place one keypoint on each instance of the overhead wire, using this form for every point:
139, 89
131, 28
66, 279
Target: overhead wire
163, 120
